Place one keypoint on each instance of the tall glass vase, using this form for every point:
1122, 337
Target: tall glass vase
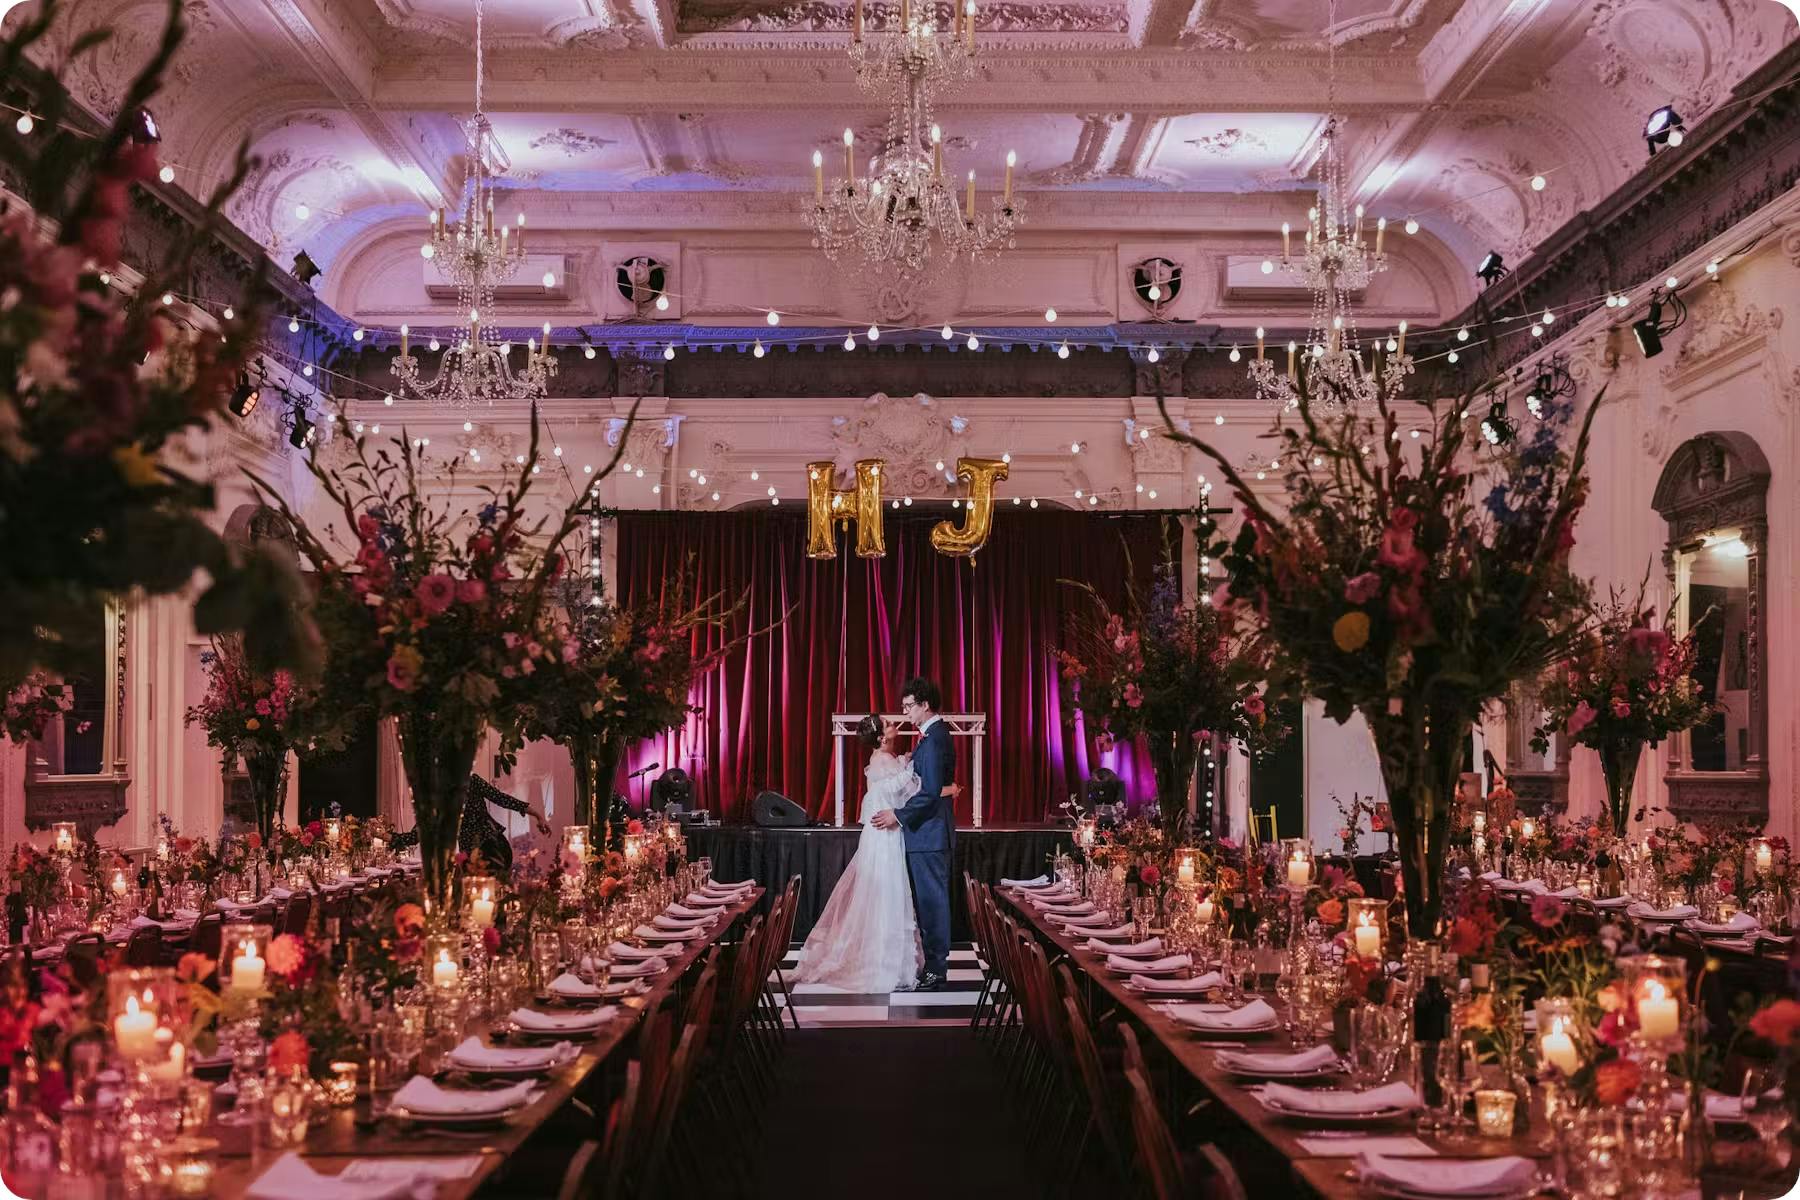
1172, 756
1421, 747
266, 772
1618, 762
596, 761
438, 759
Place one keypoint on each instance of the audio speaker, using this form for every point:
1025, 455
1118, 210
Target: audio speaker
772, 809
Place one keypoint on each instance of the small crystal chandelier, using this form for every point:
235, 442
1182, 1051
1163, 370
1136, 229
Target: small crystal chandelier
1337, 259
903, 221
477, 255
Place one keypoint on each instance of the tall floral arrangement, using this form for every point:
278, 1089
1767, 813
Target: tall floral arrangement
95, 383
1171, 672
1627, 683
627, 675
253, 716
1411, 581
440, 618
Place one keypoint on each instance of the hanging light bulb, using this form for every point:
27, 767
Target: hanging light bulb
1153, 356
1412, 225
974, 343
669, 351
1235, 355
1539, 183
757, 349
588, 353
662, 304
874, 333
1050, 315
774, 317
849, 341
1062, 351
293, 325
302, 212
946, 333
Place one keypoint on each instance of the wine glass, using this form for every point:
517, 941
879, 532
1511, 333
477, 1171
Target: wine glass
1764, 1097
1287, 987
1375, 1035
546, 956
1143, 916
1241, 968
1459, 1074
706, 869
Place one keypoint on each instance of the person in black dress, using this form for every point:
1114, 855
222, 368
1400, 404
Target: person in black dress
479, 829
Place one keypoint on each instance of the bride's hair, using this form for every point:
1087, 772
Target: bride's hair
870, 729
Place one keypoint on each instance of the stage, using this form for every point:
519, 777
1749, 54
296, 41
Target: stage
819, 854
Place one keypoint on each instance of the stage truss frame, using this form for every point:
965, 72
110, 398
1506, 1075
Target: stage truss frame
969, 725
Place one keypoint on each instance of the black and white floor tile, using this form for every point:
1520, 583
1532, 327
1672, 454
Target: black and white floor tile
818, 1005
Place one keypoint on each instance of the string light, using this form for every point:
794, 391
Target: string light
662, 303
874, 333
25, 124
1235, 355
1062, 351
946, 333
1412, 225
167, 174
1050, 315
774, 317
974, 343
293, 325
757, 350
1539, 183
669, 351
589, 353
302, 212
849, 341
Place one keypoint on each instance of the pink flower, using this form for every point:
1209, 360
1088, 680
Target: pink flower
1621, 709
1134, 696
403, 669
435, 592
1547, 911
1221, 597
1363, 588
1640, 639
1581, 718
471, 591
1149, 876
1398, 551
1254, 706
285, 955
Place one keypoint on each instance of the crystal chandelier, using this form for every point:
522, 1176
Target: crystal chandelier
903, 221
477, 255
1337, 259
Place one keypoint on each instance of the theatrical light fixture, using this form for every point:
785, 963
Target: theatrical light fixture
244, 397
301, 435
1653, 326
1492, 267
1664, 128
1497, 427
305, 269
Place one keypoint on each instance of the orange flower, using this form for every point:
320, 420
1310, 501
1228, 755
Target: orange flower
195, 968
1477, 1013
409, 920
1777, 1023
1331, 912
1616, 1081
1611, 998
289, 1052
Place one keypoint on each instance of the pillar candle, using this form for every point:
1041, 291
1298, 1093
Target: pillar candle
1765, 857
1368, 939
1659, 1014
1184, 872
135, 1031
1286, 241
818, 177
247, 969
481, 912
1557, 1049
443, 971
969, 204
1299, 872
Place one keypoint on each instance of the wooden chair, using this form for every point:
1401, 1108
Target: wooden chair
82, 954
293, 917
207, 932
1102, 1120
144, 948
605, 1174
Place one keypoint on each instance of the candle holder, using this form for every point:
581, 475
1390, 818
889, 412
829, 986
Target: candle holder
481, 895
444, 962
288, 1101
1086, 834
1657, 988
576, 842
63, 839
1297, 862
1187, 868
1563, 1042
141, 1014
190, 1167
243, 972
1494, 1112
1366, 919
340, 1089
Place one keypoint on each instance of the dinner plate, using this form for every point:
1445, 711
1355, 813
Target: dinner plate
454, 1120
498, 1071
1395, 1191
1145, 969
662, 935
1220, 1031
1377, 1117
1320, 1072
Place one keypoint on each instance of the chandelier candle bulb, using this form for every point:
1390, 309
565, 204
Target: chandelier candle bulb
1293, 347
969, 203
905, 15
937, 153
850, 154
1380, 233
405, 333
1287, 239
1402, 341
1259, 343
969, 24
1011, 158
856, 28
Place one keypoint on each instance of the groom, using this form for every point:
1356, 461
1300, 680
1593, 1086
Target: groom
929, 822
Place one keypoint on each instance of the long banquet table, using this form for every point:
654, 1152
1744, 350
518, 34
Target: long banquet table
345, 1135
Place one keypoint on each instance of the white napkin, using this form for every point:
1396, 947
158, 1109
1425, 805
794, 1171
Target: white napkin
572, 987
1286, 1063
676, 925
1179, 987
670, 938
1135, 950
1126, 966
1449, 1177
1613, 901
1096, 927
1085, 924
1045, 897
1533, 887
1040, 881
142, 922
684, 913
186, 915
1331, 1103
637, 970
282, 893
700, 900
532, 1020
1740, 922
1083, 909
1254, 1015
1680, 912
422, 1097
741, 888
291, 1179
620, 952
1569, 893
473, 1053
1492, 876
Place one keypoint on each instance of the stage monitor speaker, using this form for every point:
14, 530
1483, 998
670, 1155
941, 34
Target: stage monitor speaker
772, 809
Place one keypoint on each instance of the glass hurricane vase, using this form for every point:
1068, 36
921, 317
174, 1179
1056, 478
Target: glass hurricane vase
1172, 756
266, 771
1421, 747
438, 759
1618, 762
596, 761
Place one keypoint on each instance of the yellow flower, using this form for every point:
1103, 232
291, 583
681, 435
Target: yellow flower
253, 723
137, 468
1351, 632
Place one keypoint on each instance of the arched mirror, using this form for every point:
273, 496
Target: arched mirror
1713, 494
77, 770
1539, 779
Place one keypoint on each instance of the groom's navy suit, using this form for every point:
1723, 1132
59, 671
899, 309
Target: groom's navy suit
929, 823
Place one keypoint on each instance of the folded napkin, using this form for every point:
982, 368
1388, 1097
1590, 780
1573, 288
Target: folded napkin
675, 925
281, 893
1333, 1103
572, 987
728, 891
1740, 922
1492, 876
1126, 966
684, 913
620, 952
534, 1021
1044, 897
186, 915
1613, 901
1135, 950
637, 970
1198, 985
703, 900
1283, 1063
1084, 909
1449, 1177
1097, 927
1679, 912
1254, 1015
1534, 887
1569, 893
1040, 881
142, 922
292, 1179
473, 1053
422, 1097
670, 938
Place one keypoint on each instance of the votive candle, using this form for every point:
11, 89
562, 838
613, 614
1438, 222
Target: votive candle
1659, 1013
1494, 1112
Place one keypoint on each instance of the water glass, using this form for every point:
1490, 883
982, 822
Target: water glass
1376, 1033
1764, 1095
1143, 915
546, 956
1459, 1075
705, 864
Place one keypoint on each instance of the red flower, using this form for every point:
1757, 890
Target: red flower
490, 939
289, 1052
435, 592
1331, 912
1581, 718
286, 955
1547, 911
1778, 1023
1363, 588
471, 591
1149, 876
634, 826
253, 840
1254, 705
1616, 1082
1621, 709
409, 920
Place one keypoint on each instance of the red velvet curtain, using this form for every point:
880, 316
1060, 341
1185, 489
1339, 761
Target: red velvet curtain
859, 628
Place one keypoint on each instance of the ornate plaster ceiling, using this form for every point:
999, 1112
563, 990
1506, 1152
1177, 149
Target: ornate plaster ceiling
353, 108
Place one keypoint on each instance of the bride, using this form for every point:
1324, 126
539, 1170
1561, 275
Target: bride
867, 939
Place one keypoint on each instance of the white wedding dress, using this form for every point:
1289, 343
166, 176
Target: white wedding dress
867, 939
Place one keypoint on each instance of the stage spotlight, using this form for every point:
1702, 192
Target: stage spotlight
1497, 427
1654, 326
1663, 128
1492, 267
305, 269
301, 435
144, 130
244, 398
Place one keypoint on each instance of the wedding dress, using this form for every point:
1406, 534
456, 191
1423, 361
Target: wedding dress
867, 939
